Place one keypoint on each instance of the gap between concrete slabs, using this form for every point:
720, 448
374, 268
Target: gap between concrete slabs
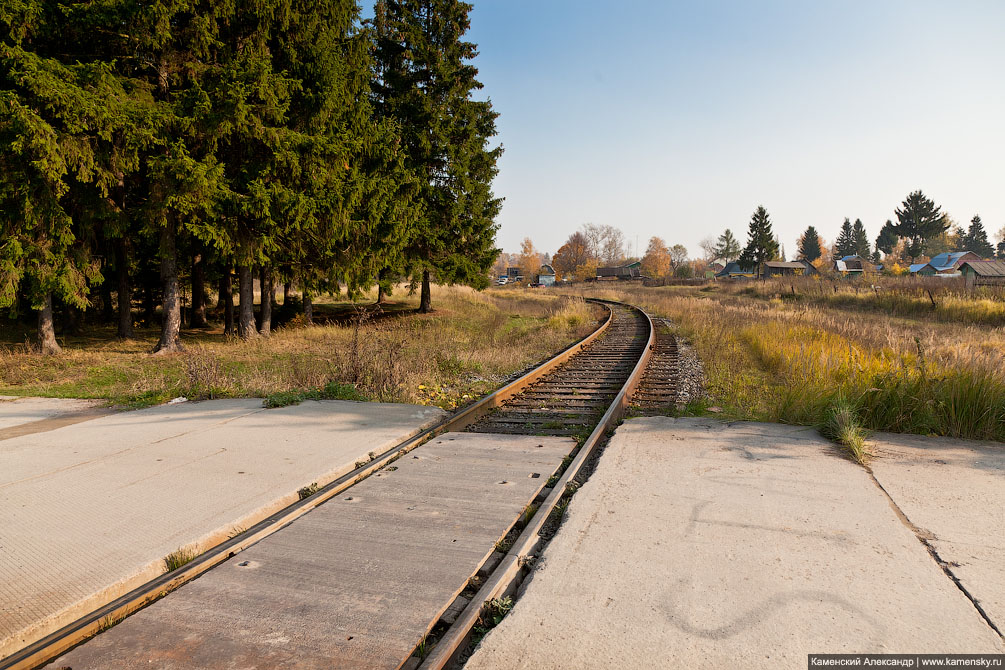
357, 582
89, 512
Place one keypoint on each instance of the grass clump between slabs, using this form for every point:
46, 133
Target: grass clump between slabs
177, 559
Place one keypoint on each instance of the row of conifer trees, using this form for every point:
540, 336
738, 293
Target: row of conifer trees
150, 147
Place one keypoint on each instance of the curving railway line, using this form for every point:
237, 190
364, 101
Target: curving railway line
582, 392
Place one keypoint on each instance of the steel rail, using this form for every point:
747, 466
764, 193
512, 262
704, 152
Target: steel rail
62, 640
507, 576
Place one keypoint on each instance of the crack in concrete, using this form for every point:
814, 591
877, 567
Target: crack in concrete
925, 538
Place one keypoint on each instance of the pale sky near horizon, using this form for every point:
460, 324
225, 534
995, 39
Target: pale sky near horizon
678, 119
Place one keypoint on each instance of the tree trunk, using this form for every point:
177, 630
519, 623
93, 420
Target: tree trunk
171, 302
74, 320
125, 290
308, 309
381, 295
222, 290
107, 311
148, 305
246, 288
227, 297
265, 327
425, 300
286, 293
198, 292
46, 332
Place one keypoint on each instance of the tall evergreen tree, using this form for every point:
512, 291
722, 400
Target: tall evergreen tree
844, 245
67, 131
761, 244
727, 247
809, 245
426, 85
976, 239
861, 240
887, 238
919, 219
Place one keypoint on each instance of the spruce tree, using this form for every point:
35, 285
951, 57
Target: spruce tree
919, 220
67, 131
976, 239
761, 244
887, 238
809, 245
426, 85
727, 247
861, 240
844, 245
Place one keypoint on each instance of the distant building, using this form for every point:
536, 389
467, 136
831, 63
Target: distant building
546, 275
734, 271
718, 265
915, 268
788, 268
853, 265
947, 264
513, 273
983, 273
622, 272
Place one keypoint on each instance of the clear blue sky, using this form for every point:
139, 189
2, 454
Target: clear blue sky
678, 118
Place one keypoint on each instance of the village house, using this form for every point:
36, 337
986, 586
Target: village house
546, 275
946, 264
983, 273
853, 266
734, 271
788, 268
622, 272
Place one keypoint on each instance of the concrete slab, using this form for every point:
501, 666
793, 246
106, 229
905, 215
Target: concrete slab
357, 582
16, 411
701, 544
954, 492
89, 512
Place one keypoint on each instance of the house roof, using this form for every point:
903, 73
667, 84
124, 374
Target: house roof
547, 270
795, 265
733, 268
623, 271
987, 268
949, 260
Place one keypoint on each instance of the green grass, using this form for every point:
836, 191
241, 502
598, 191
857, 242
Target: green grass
331, 391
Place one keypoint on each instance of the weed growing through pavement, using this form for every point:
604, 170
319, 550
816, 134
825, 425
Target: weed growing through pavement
841, 424
493, 612
177, 559
308, 491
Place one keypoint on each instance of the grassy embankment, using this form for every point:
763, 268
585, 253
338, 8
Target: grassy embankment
796, 351
463, 349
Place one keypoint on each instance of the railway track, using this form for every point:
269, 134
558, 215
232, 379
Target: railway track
659, 389
571, 399
581, 392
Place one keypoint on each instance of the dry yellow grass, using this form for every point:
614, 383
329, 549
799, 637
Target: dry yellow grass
771, 358
465, 348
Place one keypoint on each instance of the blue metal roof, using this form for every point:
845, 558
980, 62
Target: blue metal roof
947, 260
